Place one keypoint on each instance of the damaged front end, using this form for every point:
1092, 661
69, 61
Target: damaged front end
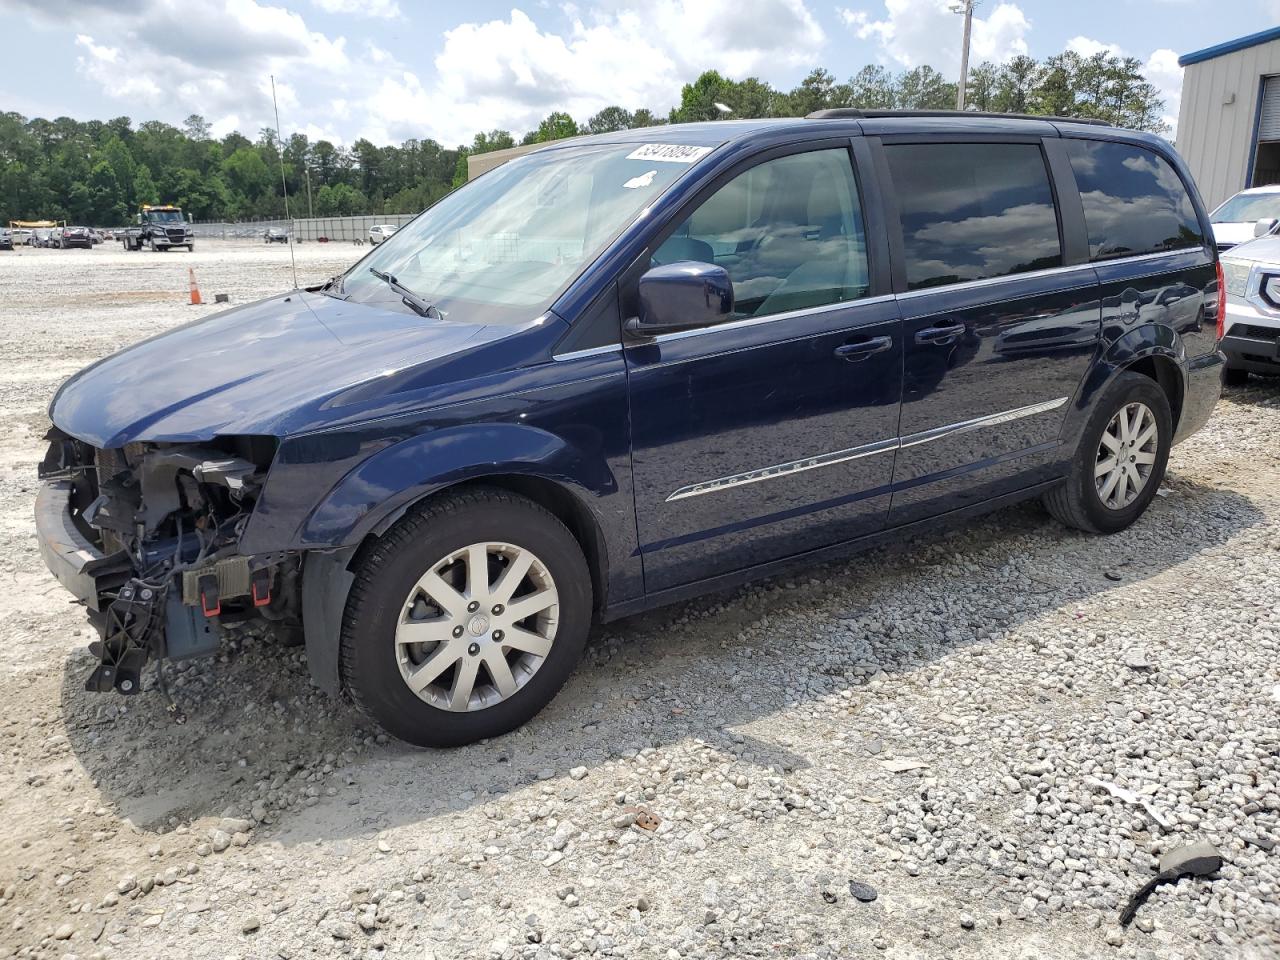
148, 537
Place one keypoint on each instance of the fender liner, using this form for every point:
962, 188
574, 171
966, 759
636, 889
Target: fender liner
326, 582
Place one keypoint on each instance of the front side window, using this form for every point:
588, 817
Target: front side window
973, 210
1134, 201
788, 231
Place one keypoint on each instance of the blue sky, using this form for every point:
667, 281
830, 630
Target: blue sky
394, 69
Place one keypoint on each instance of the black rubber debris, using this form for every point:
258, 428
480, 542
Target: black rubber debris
862, 891
1198, 860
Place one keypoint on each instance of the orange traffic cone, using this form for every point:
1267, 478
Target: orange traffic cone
195, 291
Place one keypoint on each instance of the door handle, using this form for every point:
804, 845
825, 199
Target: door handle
940, 335
861, 349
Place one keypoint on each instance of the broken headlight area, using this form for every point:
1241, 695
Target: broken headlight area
166, 520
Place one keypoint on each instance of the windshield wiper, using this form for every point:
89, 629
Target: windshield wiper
421, 307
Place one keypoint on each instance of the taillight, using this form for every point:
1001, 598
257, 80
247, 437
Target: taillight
1222, 301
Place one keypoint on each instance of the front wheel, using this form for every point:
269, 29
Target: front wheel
465, 619
1121, 460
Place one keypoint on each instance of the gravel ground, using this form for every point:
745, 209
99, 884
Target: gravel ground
935, 722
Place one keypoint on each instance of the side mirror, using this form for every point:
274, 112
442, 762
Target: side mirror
1265, 226
682, 296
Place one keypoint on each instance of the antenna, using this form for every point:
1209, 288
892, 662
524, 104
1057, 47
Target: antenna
284, 187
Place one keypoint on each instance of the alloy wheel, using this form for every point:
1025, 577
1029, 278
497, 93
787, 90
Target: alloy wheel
1126, 455
476, 626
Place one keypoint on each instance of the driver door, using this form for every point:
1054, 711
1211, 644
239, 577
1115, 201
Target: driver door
773, 433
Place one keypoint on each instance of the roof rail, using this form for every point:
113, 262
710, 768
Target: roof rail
856, 113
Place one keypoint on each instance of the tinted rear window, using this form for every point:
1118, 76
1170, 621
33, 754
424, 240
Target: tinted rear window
1134, 201
973, 210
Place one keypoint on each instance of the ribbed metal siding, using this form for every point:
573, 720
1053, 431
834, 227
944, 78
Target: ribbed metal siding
1216, 121
1269, 118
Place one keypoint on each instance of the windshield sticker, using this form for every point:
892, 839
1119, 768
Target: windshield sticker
669, 153
644, 180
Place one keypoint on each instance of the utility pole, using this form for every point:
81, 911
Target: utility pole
964, 7
306, 168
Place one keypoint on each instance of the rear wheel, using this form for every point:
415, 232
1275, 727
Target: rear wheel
1121, 459
465, 619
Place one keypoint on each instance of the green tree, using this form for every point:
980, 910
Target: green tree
340, 200
248, 174
608, 120
1016, 86
980, 91
557, 126
645, 118
872, 88
144, 188
924, 88
698, 99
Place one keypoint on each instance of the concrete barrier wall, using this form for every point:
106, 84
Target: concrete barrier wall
346, 228
307, 229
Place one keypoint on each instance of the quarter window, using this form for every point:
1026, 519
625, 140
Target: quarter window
1134, 201
973, 210
789, 232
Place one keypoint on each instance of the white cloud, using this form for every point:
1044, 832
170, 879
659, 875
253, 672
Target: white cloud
917, 32
510, 73
1088, 47
383, 9
215, 59
103, 64
1162, 69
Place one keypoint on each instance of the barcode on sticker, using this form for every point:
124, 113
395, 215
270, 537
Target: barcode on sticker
668, 152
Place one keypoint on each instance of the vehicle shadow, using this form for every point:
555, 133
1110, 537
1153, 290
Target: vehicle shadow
256, 730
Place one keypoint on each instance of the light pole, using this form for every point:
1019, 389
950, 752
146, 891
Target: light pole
964, 7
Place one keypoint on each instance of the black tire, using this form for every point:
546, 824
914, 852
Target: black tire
191, 248
1077, 502
390, 567
1234, 377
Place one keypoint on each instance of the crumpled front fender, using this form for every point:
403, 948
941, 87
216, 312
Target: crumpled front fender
381, 487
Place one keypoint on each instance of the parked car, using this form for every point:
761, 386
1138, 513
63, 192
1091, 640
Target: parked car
1252, 339
276, 235
6, 239
1237, 220
645, 365
71, 237
379, 233
95, 236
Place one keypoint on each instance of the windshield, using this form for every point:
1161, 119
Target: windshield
163, 216
501, 248
1248, 207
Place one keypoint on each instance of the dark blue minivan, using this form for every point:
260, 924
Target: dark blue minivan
629, 369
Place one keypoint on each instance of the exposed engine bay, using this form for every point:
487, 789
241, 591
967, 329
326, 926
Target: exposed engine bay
165, 578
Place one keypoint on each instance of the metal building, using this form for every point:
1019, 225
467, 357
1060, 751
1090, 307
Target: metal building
1229, 121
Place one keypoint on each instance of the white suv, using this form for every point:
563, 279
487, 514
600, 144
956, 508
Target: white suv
379, 233
1251, 340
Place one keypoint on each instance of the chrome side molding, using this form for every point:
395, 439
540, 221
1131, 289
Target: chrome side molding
865, 450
